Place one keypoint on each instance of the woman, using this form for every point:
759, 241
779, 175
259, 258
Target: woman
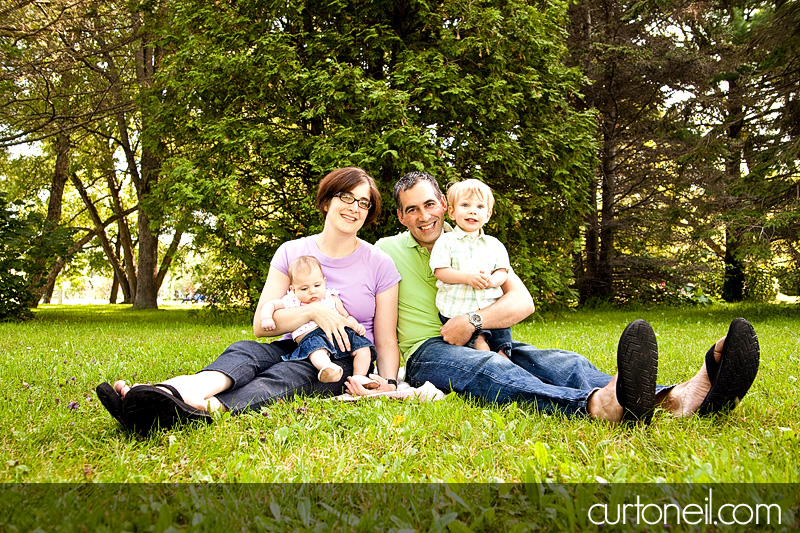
250, 374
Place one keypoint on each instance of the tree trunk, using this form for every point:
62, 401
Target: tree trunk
733, 286
60, 176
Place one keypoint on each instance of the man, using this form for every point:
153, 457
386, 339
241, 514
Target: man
552, 380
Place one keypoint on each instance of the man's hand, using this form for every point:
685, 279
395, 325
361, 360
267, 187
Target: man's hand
356, 389
458, 331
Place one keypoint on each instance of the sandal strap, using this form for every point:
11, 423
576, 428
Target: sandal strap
712, 367
171, 389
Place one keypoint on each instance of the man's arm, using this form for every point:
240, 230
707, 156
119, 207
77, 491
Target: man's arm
514, 306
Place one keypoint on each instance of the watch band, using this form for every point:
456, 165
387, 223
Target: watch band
392, 382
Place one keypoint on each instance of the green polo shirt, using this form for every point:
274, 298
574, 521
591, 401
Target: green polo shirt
417, 317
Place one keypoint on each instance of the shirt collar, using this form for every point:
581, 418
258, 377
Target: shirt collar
410, 242
461, 234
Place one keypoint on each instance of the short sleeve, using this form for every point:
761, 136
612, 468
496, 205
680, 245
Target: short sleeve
440, 255
501, 256
281, 259
290, 300
385, 273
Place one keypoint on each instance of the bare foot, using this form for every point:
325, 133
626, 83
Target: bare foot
364, 381
186, 385
330, 374
603, 403
685, 398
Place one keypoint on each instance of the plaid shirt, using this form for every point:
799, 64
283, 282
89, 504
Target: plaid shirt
458, 250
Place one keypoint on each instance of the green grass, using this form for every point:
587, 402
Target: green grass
58, 358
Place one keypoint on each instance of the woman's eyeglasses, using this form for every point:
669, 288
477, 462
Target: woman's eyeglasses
348, 198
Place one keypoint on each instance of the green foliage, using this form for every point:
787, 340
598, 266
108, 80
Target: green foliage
16, 232
26, 242
262, 100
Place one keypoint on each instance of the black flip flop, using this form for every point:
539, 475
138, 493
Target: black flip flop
112, 402
637, 367
147, 407
732, 377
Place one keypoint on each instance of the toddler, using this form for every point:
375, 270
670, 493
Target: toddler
470, 266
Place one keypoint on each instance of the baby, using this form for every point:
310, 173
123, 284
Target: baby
470, 266
307, 286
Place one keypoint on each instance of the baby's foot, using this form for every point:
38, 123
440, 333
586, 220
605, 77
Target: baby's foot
366, 382
330, 373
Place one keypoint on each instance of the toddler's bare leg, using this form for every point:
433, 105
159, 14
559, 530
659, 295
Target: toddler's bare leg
481, 344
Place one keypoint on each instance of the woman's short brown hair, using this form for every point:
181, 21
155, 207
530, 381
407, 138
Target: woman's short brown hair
345, 180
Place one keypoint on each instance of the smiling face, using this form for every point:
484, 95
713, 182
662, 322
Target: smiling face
421, 210
308, 285
348, 218
470, 212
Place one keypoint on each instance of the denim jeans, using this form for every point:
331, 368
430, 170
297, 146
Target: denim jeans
261, 376
552, 380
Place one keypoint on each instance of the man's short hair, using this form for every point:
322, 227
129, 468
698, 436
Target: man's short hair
469, 188
409, 180
304, 264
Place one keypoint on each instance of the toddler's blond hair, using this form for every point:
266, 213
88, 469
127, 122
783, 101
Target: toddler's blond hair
470, 187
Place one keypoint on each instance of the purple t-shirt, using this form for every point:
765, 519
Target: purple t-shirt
359, 277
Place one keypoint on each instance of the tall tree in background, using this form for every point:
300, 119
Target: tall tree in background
741, 159
86, 68
634, 63
265, 98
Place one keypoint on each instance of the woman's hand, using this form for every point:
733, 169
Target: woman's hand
332, 323
356, 389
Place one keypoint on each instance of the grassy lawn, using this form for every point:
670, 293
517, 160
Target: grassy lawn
55, 430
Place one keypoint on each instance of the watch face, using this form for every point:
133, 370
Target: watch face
476, 320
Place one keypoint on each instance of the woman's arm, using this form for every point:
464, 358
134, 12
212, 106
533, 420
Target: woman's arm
385, 329
287, 320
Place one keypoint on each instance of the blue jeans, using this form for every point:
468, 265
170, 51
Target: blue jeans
261, 376
552, 380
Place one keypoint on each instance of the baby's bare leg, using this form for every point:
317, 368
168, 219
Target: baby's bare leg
328, 372
361, 361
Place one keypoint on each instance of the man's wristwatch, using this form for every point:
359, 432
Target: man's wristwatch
392, 382
475, 319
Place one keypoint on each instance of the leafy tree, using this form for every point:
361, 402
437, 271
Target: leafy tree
85, 70
635, 62
262, 99
741, 160
24, 239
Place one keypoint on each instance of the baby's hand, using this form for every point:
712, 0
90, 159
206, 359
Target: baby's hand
267, 324
478, 280
357, 327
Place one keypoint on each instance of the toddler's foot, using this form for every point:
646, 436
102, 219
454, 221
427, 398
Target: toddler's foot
330, 373
481, 344
366, 382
